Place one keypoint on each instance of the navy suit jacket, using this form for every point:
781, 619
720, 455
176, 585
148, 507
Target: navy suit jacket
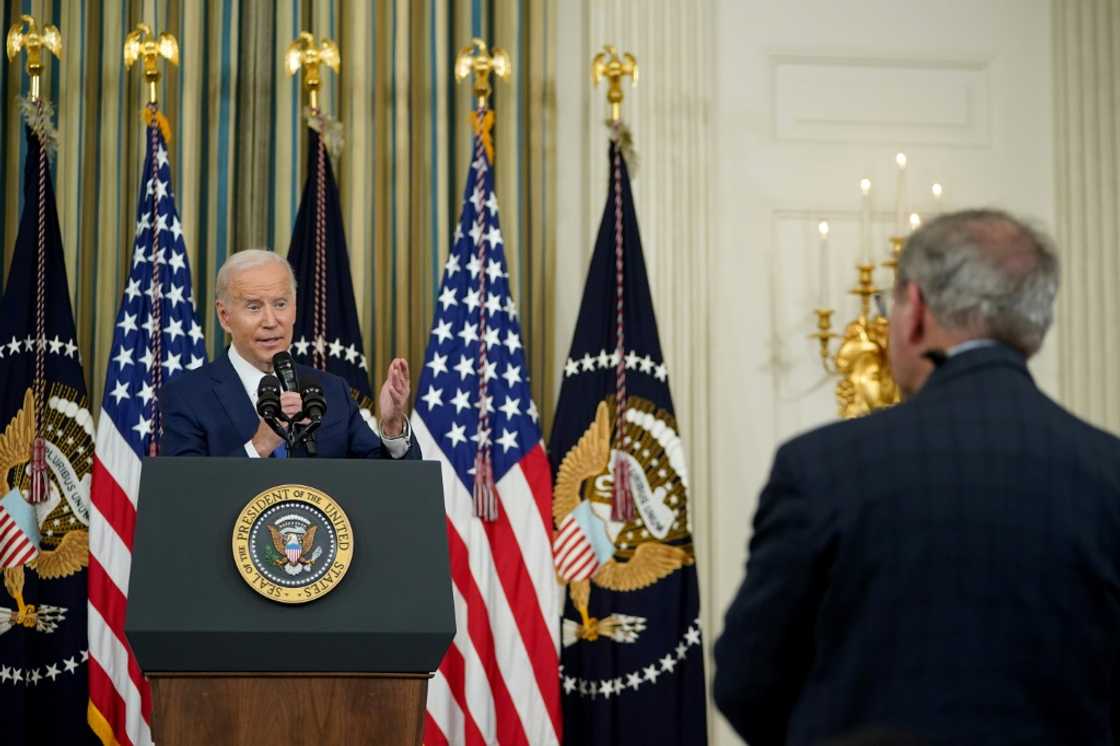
949, 568
206, 412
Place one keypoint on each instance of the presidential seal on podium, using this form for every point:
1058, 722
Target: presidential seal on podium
292, 543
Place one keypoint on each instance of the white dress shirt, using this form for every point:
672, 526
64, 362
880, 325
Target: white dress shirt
251, 377
970, 344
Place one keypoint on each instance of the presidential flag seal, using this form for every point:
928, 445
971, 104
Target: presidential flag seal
292, 543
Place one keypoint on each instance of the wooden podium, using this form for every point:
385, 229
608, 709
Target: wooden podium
251, 708
230, 666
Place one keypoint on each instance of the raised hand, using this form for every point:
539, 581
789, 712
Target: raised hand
393, 398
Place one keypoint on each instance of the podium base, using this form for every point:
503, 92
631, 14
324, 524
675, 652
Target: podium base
293, 708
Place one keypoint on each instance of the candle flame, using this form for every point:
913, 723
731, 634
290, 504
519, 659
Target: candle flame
936, 189
900, 159
865, 186
823, 228
915, 221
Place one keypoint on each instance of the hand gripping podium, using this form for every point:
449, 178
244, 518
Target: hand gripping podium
227, 663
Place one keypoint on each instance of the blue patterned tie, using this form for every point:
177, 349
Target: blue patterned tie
280, 452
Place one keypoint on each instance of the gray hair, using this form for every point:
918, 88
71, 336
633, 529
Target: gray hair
247, 259
985, 272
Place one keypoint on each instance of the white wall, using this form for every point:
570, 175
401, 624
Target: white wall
754, 119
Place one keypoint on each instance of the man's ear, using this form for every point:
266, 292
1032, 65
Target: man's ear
223, 312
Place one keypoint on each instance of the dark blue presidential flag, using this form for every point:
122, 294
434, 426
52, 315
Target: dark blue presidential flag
326, 333
46, 457
632, 659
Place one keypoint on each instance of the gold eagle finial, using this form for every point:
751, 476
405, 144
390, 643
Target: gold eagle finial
607, 64
34, 43
304, 53
137, 45
475, 58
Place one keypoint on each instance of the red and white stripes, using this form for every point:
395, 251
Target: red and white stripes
120, 699
575, 557
16, 548
499, 681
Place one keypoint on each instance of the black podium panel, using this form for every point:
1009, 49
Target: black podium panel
189, 609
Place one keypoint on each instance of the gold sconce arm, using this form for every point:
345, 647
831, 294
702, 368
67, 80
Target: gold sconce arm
825, 336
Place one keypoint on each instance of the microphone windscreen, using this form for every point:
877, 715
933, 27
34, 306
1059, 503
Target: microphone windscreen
268, 397
314, 402
285, 368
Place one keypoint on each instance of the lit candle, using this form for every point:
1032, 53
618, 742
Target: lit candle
915, 222
865, 219
937, 191
822, 228
900, 204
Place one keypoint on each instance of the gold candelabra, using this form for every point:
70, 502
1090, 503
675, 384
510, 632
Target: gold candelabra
861, 361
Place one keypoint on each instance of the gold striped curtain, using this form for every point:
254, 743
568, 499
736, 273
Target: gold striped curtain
239, 148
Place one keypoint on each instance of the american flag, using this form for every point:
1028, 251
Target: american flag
157, 335
499, 681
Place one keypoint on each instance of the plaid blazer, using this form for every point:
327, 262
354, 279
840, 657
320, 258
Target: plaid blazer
948, 568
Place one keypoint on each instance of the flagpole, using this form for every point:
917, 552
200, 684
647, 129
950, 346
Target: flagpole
475, 59
34, 43
137, 46
39, 119
303, 54
608, 64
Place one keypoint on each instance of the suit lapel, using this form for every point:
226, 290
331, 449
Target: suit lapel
231, 393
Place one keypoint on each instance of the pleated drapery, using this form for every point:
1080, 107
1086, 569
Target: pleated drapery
1087, 154
239, 139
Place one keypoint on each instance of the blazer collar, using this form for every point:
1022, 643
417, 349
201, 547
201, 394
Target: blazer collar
231, 393
975, 360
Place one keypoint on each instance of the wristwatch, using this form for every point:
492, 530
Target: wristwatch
406, 431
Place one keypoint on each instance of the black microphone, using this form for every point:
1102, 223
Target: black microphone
285, 368
268, 397
314, 402
268, 405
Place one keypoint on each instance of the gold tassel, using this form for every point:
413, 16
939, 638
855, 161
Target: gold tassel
161, 120
482, 124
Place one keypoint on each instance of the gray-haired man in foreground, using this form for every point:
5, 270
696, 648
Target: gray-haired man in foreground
949, 568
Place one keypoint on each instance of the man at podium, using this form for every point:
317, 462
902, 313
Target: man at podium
213, 410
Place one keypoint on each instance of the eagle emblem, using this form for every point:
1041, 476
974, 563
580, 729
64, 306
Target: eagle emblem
62, 543
292, 543
637, 553
293, 536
